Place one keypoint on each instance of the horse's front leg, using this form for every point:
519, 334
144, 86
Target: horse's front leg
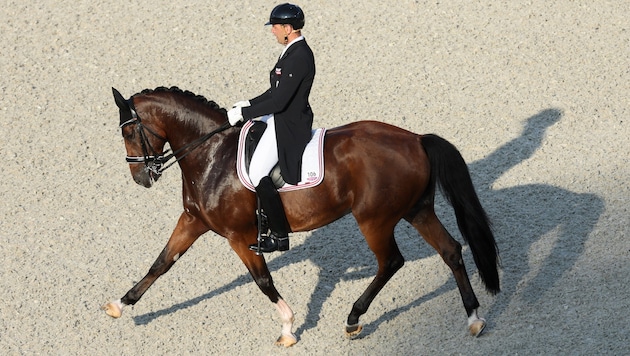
260, 272
186, 232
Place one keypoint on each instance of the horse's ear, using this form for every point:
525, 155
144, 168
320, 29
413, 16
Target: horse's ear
120, 101
123, 106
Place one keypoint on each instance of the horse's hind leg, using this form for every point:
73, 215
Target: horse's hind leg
186, 232
432, 230
381, 241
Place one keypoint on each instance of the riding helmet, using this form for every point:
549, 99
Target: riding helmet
287, 14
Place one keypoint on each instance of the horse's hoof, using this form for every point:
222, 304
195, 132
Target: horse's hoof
286, 340
353, 330
476, 327
113, 309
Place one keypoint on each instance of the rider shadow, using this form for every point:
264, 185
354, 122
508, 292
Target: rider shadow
541, 229
552, 221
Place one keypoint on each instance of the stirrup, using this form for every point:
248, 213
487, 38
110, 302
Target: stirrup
270, 243
283, 242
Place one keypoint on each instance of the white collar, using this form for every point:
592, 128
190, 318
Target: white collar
289, 45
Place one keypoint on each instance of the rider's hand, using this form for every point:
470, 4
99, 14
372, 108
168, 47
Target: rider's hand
241, 104
235, 115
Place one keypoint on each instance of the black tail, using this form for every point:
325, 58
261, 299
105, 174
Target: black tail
450, 173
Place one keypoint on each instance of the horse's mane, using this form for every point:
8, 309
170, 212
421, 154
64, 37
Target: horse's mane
198, 98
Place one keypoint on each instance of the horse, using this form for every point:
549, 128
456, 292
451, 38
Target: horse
379, 173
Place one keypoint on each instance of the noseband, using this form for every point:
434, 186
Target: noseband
155, 162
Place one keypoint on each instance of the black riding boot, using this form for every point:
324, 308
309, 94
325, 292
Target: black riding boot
269, 200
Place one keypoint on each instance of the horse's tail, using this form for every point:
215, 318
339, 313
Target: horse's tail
450, 173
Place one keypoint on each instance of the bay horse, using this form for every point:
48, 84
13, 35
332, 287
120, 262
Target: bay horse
379, 173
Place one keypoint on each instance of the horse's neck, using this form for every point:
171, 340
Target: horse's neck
215, 153
185, 125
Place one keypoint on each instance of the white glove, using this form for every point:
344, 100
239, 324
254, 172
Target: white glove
235, 115
241, 104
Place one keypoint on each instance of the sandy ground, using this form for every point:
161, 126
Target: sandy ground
534, 95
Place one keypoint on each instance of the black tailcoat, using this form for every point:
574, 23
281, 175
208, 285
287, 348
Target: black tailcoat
287, 98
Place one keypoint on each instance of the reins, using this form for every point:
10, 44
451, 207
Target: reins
190, 147
156, 162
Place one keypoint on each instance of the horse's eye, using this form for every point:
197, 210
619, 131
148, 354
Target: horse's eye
128, 133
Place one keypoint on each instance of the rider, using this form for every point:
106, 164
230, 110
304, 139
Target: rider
289, 123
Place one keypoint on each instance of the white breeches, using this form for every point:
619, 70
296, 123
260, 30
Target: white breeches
265, 156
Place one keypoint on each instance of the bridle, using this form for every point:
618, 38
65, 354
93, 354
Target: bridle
155, 162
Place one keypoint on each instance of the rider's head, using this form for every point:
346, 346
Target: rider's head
287, 14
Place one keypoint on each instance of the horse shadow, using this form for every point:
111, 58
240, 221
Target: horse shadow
552, 221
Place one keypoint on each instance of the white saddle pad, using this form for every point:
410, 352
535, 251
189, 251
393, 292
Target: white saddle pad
312, 162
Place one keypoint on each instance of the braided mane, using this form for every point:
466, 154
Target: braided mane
198, 98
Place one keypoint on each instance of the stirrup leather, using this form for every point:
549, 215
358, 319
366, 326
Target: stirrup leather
263, 227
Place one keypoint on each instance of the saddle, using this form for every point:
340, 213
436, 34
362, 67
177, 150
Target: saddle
312, 158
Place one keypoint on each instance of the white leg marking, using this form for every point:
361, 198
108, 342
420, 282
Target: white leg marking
476, 324
113, 309
286, 315
473, 317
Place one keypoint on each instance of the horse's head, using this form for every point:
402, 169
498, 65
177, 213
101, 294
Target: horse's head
143, 142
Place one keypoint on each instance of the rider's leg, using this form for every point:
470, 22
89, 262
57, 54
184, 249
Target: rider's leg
265, 156
264, 159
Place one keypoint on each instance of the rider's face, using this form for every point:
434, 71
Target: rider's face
281, 31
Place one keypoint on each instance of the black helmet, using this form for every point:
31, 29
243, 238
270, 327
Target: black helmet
287, 14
